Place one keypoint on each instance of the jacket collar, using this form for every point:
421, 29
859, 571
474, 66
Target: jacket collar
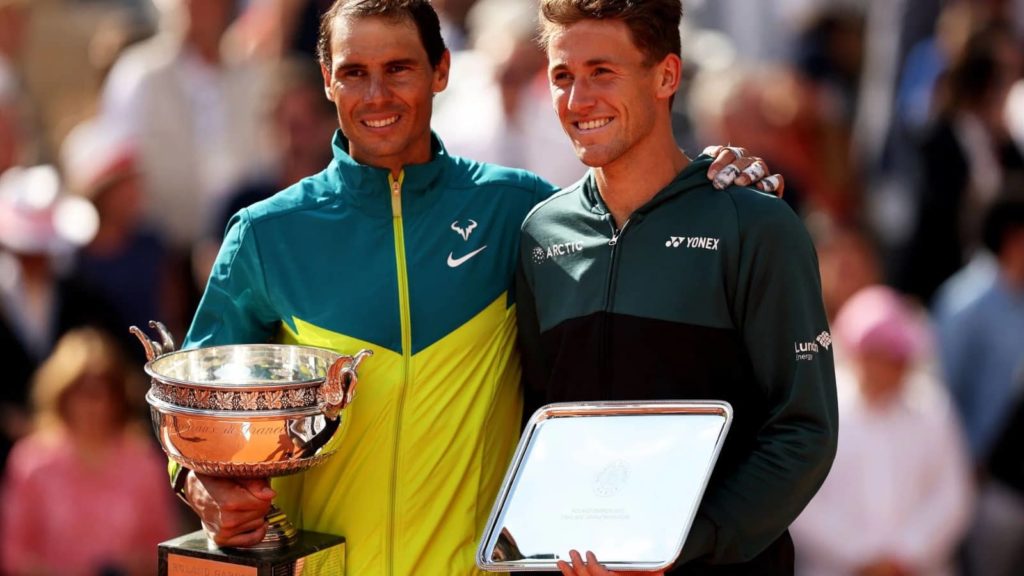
368, 185
689, 178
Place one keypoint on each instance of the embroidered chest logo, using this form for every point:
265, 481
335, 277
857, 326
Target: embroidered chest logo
693, 242
540, 255
464, 232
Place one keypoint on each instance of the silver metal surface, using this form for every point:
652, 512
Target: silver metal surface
621, 479
248, 410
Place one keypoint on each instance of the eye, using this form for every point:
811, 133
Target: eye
353, 73
397, 68
561, 77
602, 71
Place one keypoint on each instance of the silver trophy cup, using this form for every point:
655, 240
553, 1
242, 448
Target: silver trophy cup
248, 410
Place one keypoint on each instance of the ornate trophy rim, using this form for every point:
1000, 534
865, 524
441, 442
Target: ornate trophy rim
230, 414
329, 356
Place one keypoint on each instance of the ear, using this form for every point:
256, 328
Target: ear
441, 72
328, 91
669, 75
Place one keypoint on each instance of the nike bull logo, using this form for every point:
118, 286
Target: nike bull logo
464, 232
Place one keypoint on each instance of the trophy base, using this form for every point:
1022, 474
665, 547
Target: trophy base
312, 554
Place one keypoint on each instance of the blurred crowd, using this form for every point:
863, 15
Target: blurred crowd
131, 130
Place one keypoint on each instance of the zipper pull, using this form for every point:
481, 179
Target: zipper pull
616, 232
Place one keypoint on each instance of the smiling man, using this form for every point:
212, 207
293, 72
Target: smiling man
403, 249
673, 290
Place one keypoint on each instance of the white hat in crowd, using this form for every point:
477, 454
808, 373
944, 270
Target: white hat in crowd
37, 217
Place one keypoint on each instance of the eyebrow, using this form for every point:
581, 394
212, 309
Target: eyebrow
359, 65
593, 62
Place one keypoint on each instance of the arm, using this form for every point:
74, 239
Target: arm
235, 308
776, 303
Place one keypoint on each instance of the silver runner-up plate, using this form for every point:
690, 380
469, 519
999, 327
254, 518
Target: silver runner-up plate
620, 479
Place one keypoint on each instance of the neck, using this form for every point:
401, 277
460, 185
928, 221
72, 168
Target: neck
631, 180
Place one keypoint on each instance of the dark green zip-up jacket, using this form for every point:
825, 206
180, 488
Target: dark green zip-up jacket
702, 294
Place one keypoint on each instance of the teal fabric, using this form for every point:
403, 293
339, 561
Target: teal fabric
329, 239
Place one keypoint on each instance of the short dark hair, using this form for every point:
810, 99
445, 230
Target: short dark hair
654, 24
420, 12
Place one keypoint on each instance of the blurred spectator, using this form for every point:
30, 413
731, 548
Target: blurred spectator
302, 123
454, 16
848, 261
273, 29
998, 543
964, 159
86, 493
126, 260
39, 227
785, 117
830, 53
16, 143
497, 107
982, 353
898, 498
194, 111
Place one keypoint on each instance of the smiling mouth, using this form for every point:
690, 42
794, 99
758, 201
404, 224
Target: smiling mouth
383, 123
593, 124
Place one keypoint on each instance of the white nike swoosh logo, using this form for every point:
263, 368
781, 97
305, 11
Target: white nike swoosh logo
456, 262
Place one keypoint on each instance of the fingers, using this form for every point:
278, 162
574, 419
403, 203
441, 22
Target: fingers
747, 171
259, 488
774, 184
723, 156
234, 540
596, 569
232, 512
753, 172
592, 567
580, 567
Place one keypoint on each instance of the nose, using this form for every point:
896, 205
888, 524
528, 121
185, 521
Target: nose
580, 97
377, 89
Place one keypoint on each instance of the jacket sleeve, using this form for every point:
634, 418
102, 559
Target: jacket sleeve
236, 307
777, 307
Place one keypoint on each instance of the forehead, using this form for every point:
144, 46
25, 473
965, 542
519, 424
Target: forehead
375, 38
591, 40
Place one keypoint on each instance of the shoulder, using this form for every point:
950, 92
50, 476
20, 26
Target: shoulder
36, 454
309, 194
466, 173
556, 204
762, 216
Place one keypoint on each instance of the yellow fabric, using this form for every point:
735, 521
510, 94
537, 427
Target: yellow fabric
447, 444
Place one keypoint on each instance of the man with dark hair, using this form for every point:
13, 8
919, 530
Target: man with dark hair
403, 249
673, 290
980, 347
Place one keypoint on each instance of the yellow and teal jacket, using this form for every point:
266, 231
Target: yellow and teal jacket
419, 270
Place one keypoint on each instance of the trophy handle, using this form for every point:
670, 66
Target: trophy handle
339, 388
153, 348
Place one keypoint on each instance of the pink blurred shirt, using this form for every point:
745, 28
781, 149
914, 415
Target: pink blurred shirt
64, 515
